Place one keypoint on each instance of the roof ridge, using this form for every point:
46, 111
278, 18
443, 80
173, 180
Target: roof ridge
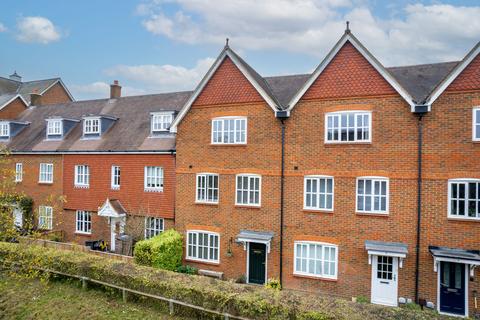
48, 79
287, 75
422, 64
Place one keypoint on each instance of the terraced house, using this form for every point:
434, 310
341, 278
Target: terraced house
112, 160
355, 180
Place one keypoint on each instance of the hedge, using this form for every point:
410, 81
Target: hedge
253, 302
164, 251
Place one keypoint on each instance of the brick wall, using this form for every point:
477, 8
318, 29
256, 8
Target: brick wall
56, 94
13, 109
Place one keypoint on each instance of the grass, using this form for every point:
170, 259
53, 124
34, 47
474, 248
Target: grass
64, 299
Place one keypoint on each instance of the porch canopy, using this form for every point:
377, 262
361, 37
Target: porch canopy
112, 209
246, 236
470, 257
389, 249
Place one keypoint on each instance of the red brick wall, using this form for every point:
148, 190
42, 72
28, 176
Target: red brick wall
349, 74
42, 194
227, 85
56, 94
131, 193
468, 79
13, 109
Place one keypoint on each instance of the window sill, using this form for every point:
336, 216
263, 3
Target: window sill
203, 261
81, 187
315, 277
463, 219
46, 183
115, 188
83, 234
246, 206
306, 210
372, 214
153, 190
215, 204
228, 144
333, 144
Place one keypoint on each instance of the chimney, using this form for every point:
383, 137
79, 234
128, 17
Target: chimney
35, 98
115, 90
15, 77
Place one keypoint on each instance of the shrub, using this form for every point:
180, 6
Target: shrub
187, 269
273, 283
163, 251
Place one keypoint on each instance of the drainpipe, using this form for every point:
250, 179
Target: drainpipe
420, 111
282, 183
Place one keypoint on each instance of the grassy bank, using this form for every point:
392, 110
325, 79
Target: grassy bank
62, 299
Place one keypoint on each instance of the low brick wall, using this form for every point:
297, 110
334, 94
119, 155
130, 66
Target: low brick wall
73, 247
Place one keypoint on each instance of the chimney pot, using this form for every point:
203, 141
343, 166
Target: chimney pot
115, 90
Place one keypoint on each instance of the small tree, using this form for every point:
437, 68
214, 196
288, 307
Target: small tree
163, 251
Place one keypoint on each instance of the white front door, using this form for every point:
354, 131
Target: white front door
384, 280
113, 233
18, 217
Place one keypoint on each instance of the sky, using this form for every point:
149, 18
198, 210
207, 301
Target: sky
154, 46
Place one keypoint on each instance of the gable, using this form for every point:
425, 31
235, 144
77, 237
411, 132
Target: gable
56, 94
13, 109
226, 86
469, 79
349, 74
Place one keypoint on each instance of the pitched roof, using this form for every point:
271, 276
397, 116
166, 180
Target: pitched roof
420, 80
24, 89
130, 133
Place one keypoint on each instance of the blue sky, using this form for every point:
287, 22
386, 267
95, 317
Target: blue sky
164, 45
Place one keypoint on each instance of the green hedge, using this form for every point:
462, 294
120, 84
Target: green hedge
253, 302
163, 251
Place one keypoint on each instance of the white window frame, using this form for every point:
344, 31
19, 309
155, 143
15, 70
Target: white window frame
249, 176
147, 177
45, 217
235, 129
323, 261
4, 129
206, 188
88, 125
18, 172
209, 234
475, 123
465, 181
116, 177
53, 125
161, 121
356, 113
158, 226
45, 173
84, 182
318, 193
372, 195
85, 224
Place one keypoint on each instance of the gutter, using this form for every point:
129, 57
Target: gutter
172, 151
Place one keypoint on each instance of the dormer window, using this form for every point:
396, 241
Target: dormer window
161, 121
4, 130
91, 126
54, 127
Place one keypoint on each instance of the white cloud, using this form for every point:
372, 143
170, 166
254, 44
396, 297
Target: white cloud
162, 78
418, 33
145, 79
100, 90
37, 30
2, 27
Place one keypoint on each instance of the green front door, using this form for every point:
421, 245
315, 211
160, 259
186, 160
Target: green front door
257, 255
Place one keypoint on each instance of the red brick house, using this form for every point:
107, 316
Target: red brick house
16, 96
335, 208
112, 159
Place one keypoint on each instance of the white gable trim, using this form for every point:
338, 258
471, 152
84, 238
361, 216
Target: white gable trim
454, 74
108, 211
225, 53
367, 55
64, 87
15, 97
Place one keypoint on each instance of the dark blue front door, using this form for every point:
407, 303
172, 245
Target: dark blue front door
256, 263
452, 288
